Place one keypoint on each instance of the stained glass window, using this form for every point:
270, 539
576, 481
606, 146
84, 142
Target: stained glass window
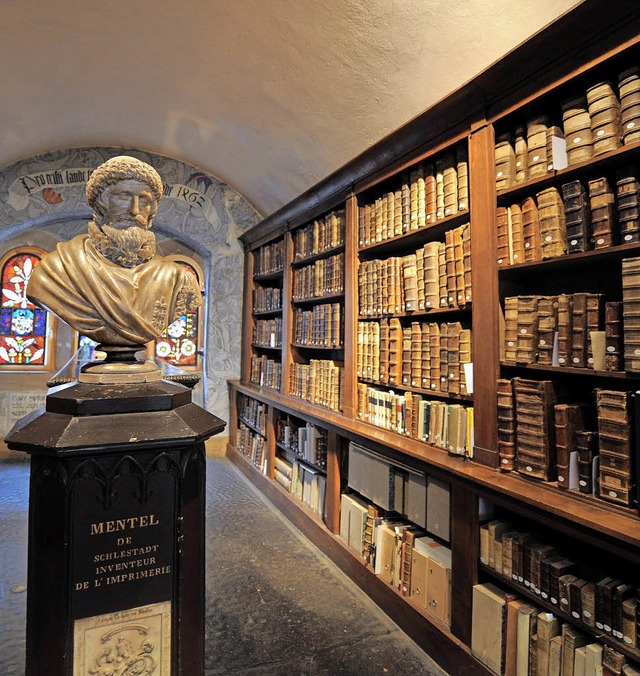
179, 343
23, 326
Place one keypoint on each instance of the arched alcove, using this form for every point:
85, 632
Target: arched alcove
42, 202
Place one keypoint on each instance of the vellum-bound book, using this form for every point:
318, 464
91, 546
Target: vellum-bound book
553, 231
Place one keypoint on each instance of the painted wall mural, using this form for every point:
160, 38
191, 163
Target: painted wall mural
46, 192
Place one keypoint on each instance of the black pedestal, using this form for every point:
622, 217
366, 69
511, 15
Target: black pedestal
116, 530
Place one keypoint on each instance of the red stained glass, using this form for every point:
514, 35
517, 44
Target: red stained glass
23, 326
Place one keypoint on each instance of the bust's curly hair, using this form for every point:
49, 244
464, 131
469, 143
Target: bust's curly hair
121, 168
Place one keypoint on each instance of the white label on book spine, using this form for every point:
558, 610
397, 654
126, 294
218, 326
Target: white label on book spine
554, 600
631, 125
613, 494
627, 238
529, 468
600, 241
627, 639
607, 628
611, 348
582, 482
586, 613
544, 595
575, 614
599, 625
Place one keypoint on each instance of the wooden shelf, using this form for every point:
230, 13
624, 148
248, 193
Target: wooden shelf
292, 454
260, 346
327, 253
585, 259
318, 300
269, 276
413, 238
416, 314
418, 390
574, 371
300, 346
251, 426
582, 170
632, 653
267, 313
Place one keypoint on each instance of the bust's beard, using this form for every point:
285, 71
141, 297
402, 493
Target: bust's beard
127, 247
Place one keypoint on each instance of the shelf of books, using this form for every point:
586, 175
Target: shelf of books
442, 339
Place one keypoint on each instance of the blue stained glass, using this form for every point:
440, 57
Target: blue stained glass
5, 321
40, 323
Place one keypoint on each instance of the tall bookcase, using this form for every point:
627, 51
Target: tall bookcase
357, 351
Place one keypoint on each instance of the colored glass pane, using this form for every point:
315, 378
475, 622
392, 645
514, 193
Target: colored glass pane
178, 344
23, 326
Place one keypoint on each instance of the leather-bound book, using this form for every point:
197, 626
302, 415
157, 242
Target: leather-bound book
465, 357
613, 335
434, 340
628, 201
620, 594
505, 160
537, 164
442, 275
631, 313
612, 661
462, 170
527, 615
431, 275
568, 422
395, 351
615, 439
521, 153
629, 88
397, 213
425, 360
405, 191
466, 261
546, 561
579, 337
413, 196
577, 129
510, 329
553, 230
384, 350
409, 534
538, 553
588, 604
439, 173
406, 355
531, 230
548, 627
506, 425
555, 656
547, 327
458, 248
527, 344
577, 213
410, 277
564, 590
429, 200
604, 109
444, 357
507, 552
517, 233
602, 202
450, 257
504, 237
606, 591
575, 598
420, 277
450, 181
629, 624
535, 439
595, 307
416, 355
453, 358
558, 569
585, 443
572, 639
517, 556
565, 329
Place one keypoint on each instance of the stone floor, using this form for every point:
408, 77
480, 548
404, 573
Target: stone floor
275, 603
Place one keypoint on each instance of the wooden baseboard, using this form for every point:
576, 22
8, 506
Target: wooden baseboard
449, 652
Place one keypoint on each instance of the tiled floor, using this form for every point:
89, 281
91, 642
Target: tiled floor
275, 604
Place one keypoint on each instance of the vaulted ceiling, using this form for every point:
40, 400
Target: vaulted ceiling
268, 95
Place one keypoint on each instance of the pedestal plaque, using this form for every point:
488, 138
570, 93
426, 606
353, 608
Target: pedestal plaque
116, 530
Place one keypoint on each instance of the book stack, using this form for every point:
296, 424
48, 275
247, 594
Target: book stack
266, 372
318, 327
368, 351
317, 382
604, 109
322, 235
322, 278
629, 87
535, 445
577, 129
505, 162
428, 193
252, 445
531, 323
269, 258
283, 473
268, 332
631, 313
602, 202
628, 198
553, 232
266, 299
577, 211
308, 486
304, 439
506, 426
615, 441
253, 412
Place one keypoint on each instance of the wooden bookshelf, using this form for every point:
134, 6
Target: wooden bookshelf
593, 41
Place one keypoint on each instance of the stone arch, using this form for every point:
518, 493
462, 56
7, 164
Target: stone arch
42, 199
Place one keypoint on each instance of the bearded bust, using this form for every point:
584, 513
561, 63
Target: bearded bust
110, 284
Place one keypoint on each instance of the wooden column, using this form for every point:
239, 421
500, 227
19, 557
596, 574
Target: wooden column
349, 398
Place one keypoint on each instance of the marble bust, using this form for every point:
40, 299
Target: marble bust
110, 284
